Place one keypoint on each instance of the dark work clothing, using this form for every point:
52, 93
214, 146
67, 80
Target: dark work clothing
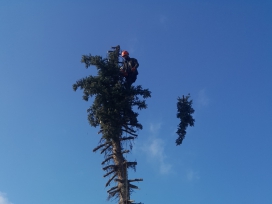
130, 63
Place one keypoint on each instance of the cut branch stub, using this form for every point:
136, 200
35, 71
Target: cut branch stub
98, 147
133, 186
134, 180
123, 152
109, 173
110, 167
129, 132
119, 180
113, 188
106, 160
129, 164
108, 183
103, 150
113, 193
127, 138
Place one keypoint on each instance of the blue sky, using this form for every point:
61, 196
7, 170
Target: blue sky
218, 51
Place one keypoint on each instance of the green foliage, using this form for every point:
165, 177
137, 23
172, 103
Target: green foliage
185, 112
113, 103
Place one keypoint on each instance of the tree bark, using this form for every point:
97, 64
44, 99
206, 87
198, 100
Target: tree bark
119, 160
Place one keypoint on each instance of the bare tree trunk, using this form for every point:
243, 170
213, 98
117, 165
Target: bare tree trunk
122, 173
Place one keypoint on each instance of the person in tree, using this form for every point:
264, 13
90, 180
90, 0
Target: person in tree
129, 68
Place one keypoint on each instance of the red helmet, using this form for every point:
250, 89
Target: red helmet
125, 53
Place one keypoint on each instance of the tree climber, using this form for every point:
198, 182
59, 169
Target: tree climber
129, 69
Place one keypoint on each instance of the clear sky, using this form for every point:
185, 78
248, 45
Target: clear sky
218, 51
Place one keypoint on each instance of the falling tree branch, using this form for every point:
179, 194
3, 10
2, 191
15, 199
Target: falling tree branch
185, 111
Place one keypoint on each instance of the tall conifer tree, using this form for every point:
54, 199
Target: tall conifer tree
112, 111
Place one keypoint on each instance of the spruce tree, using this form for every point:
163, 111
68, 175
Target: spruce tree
113, 110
